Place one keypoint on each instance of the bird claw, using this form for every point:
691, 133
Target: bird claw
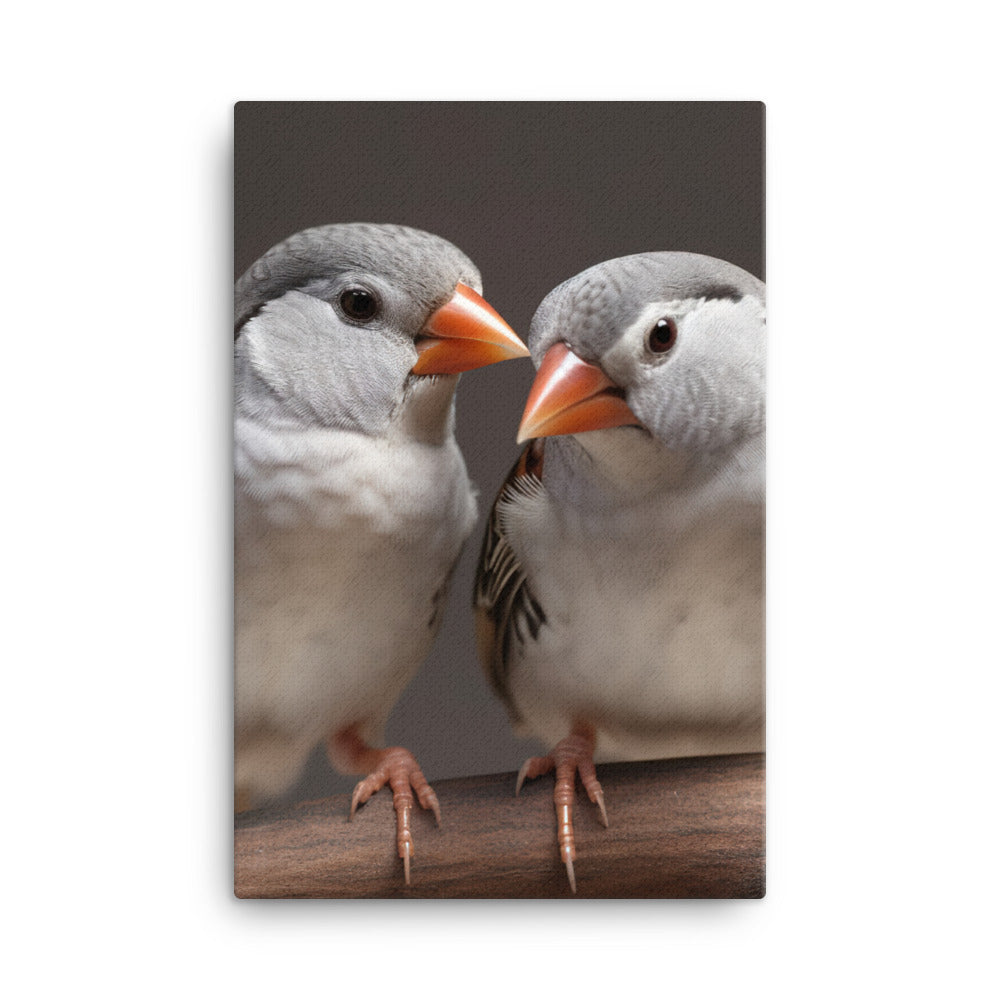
533, 767
521, 775
596, 795
569, 756
398, 768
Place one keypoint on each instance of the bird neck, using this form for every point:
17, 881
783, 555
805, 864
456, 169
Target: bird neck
621, 464
625, 466
426, 413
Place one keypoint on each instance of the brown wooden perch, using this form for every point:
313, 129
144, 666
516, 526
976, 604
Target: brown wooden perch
691, 828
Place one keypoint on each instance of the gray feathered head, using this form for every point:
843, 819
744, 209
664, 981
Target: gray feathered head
313, 257
672, 342
339, 325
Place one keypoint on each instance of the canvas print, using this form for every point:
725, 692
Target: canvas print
499, 431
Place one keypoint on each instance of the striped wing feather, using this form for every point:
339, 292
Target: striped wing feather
506, 610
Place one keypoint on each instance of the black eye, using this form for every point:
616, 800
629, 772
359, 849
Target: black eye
663, 336
358, 303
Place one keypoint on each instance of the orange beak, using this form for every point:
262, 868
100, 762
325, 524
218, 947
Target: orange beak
465, 333
570, 396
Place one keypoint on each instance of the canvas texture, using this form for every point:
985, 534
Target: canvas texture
533, 194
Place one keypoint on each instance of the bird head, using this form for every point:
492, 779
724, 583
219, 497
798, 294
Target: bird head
670, 343
337, 324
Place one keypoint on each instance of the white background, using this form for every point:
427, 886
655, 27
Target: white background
882, 287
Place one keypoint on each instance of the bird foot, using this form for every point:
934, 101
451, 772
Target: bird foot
572, 755
398, 768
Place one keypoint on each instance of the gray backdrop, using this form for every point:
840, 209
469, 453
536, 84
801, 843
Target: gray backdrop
533, 193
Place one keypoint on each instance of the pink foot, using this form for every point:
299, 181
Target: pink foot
573, 754
393, 766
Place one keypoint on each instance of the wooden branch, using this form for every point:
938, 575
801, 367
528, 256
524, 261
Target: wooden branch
691, 828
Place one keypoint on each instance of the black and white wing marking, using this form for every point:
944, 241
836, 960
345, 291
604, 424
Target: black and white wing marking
506, 610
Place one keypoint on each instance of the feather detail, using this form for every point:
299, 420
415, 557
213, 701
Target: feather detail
504, 605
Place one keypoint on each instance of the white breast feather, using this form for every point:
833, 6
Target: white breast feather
654, 621
342, 544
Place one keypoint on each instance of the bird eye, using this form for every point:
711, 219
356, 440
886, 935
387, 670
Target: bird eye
358, 303
663, 336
